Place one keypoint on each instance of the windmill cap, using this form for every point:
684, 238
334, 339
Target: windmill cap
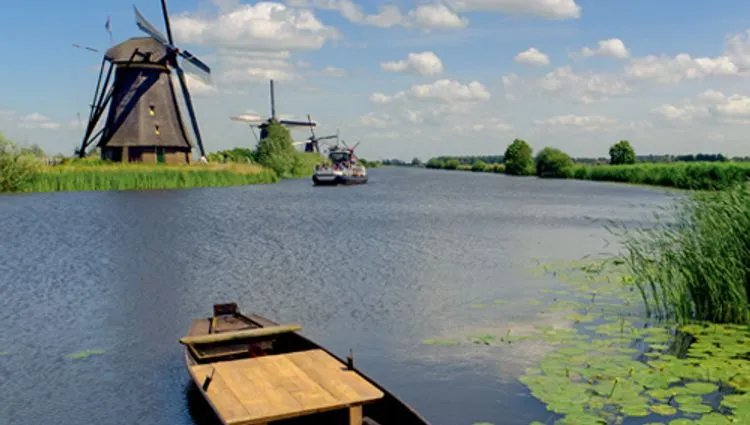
138, 50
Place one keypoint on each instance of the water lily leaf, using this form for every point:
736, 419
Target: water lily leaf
663, 409
478, 305
700, 388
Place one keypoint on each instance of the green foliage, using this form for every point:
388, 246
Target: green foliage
621, 153
238, 155
451, 164
276, 151
35, 151
697, 267
81, 176
370, 164
552, 162
694, 176
479, 166
416, 162
518, 159
17, 167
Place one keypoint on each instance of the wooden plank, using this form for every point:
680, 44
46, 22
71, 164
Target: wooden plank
283, 386
355, 415
221, 396
246, 333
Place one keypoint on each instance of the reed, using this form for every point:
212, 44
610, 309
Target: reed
95, 176
696, 267
681, 175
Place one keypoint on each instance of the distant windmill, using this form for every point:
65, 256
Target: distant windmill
263, 123
312, 144
144, 122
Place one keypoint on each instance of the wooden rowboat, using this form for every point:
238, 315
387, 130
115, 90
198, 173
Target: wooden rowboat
252, 370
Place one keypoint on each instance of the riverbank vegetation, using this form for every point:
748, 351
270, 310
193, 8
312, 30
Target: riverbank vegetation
693, 172
25, 169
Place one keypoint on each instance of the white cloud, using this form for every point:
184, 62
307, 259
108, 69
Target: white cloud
735, 61
376, 120
257, 66
578, 87
582, 122
551, 9
380, 98
266, 26
613, 47
37, 120
388, 15
711, 105
423, 63
436, 16
532, 57
449, 91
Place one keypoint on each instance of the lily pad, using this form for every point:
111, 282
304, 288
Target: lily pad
85, 354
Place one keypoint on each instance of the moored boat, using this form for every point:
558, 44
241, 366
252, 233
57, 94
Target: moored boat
252, 370
343, 169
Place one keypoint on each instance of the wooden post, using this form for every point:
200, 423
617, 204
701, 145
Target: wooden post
355, 415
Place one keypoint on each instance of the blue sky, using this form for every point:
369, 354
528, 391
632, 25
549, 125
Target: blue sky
468, 88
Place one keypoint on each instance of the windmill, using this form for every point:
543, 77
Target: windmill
262, 124
144, 122
312, 143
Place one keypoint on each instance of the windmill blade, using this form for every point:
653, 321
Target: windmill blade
248, 118
254, 134
148, 28
328, 137
192, 60
198, 73
191, 111
297, 123
355, 146
309, 119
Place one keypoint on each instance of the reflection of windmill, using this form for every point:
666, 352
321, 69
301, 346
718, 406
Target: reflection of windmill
144, 120
262, 124
312, 144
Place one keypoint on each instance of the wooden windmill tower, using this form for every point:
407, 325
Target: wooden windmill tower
263, 123
144, 123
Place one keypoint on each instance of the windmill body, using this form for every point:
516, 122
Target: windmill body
143, 122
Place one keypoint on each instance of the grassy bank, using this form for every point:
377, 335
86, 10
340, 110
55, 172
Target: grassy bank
681, 175
97, 176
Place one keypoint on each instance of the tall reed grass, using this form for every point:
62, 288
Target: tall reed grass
94, 176
696, 267
681, 175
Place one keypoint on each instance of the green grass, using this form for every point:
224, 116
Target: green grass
698, 267
681, 175
94, 176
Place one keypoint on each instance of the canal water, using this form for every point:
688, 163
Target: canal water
376, 268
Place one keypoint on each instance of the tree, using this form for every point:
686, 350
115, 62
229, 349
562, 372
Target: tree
479, 166
518, 159
416, 162
621, 153
16, 167
275, 151
551, 162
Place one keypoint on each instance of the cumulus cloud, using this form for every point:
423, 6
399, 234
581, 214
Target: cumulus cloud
376, 120
735, 61
427, 16
37, 120
711, 105
266, 26
442, 91
578, 87
572, 121
436, 16
613, 47
423, 63
532, 57
550, 9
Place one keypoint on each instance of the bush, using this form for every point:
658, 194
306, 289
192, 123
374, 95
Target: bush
621, 153
479, 166
16, 167
552, 162
518, 159
451, 164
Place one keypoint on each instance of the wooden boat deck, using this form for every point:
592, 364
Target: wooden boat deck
282, 386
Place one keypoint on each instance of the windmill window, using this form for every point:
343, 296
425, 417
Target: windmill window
156, 130
151, 110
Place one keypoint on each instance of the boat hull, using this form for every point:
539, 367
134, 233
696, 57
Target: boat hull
339, 180
389, 410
